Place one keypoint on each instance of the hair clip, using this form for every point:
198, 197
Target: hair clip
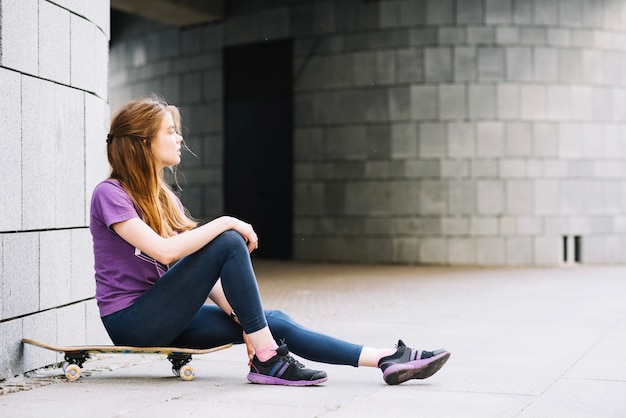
109, 138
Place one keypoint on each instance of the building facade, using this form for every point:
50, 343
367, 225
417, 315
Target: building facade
53, 112
441, 132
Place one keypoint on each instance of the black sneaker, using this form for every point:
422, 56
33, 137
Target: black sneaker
282, 369
407, 363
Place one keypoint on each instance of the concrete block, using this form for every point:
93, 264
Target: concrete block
378, 141
602, 106
512, 168
422, 169
452, 102
71, 324
546, 197
54, 268
484, 226
432, 197
308, 144
20, 278
519, 251
469, 11
331, 71
367, 198
533, 102
385, 67
571, 200
96, 127
84, 56
559, 102
545, 140
439, 12
519, 139
432, 140
405, 197
54, 43
507, 35
451, 36
519, 64
480, 35
498, 11
39, 136
455, 169
507, 101
570, 66
42, 327
546, 12
400, 103
548, 251
11, 150
424, 102
491, 64
583, 38
558, 37
361, 105
99, 12
363, 70
570, 140
490, 197
461, 251
533, 36
489, 251
523, 12
461, 141
405, 250
10, 348
345, 142
412, 13
482, 101
438, 64
465, 63
592, 67
484, 168
68, 141
422, 37
433, 250
489, 139
519, 197
404, 142
308, 199
455, 226
95, 331
461, 197
410, 68
82, 281
19, 34
546, 66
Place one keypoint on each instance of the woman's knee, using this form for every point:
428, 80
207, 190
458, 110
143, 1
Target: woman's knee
230, 239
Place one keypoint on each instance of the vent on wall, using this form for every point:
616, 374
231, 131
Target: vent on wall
572, 249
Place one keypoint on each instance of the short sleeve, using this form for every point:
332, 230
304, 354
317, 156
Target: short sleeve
111, 204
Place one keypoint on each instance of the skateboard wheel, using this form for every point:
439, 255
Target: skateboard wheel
186, 372
72, 372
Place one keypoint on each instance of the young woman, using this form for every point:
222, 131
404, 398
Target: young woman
140, 229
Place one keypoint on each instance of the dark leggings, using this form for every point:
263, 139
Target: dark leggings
173, 311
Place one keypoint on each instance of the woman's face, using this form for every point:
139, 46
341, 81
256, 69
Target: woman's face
166, 145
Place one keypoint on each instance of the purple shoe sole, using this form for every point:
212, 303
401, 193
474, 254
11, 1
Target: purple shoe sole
416, 369
269, 380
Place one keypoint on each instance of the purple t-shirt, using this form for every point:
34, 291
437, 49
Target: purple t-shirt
123, 273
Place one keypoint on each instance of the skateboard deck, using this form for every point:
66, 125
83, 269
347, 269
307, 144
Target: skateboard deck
75, 356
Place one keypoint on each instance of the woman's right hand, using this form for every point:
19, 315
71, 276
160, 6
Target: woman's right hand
247, 232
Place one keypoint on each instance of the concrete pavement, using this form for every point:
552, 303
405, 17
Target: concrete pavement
524, 343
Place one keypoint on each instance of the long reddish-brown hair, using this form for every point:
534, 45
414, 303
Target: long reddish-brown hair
133, 164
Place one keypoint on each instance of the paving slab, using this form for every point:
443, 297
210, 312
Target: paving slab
525, 343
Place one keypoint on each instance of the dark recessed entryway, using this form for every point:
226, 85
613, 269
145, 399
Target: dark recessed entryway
258, 137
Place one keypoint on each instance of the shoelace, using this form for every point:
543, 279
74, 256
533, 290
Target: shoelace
293, 361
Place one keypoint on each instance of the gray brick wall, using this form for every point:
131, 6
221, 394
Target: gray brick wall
426, 131
54, 110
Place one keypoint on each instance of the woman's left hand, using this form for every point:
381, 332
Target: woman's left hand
249, 348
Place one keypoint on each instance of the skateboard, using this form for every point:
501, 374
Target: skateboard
75, 356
